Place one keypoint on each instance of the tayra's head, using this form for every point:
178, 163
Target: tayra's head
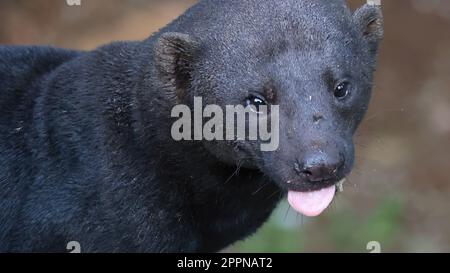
314, 59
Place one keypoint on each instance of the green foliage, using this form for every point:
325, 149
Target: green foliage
340, 230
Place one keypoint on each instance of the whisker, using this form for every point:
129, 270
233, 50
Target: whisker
287, 213
260, 188
273, 194
236, 172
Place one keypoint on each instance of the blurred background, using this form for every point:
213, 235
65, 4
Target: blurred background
399, 192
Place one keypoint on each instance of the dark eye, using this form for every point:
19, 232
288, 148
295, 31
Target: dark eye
342, 90
255, 101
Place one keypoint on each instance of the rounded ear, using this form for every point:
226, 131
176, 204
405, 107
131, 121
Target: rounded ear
174, 57
369, 20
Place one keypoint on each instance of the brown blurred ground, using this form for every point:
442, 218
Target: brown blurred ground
403, 146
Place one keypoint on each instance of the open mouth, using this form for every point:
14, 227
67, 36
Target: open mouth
313, 203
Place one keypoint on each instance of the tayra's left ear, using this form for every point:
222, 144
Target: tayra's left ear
369, 20
174, 58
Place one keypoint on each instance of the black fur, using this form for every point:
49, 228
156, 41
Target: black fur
85, 147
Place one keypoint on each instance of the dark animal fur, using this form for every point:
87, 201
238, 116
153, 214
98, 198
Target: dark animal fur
85, 147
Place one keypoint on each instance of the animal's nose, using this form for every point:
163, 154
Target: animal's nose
320, 167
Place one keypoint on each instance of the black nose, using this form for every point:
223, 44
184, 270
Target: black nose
320, 167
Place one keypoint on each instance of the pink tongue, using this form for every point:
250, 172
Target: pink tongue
311, 204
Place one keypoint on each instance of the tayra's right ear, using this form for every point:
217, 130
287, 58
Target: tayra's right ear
174, 57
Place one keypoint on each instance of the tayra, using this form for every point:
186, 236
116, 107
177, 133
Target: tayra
86, 152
